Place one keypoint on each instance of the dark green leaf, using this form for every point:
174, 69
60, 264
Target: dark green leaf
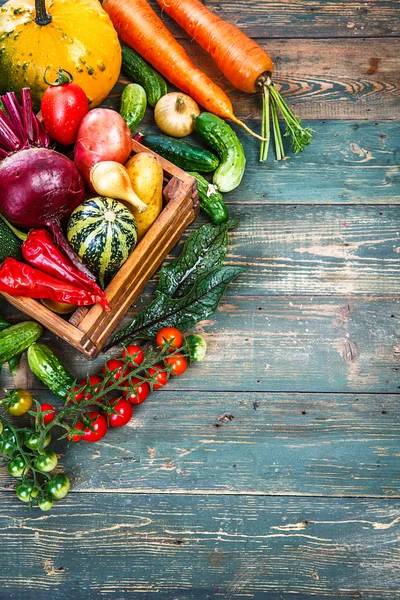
204, 249
200, 303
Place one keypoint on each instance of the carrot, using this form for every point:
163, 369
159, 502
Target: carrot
247, 66
139, 27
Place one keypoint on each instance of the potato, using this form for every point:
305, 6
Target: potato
146, 175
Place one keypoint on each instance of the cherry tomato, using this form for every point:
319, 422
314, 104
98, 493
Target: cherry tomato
99, 426
63, 108
140, 394
178, 364
46, 462
20, 403
32, 441
94, 380
8, 441
58, 486
49, 409
132, 351
160, 376
76, 438
17, 467
123, 414
27, 491
171, 336
45, 503
115, 365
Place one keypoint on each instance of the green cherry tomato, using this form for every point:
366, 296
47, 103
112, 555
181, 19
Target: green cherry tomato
197, 347
27, 491
46, 462
20, 403
58, 486
33, 439
17, 467
45, 503
7, 442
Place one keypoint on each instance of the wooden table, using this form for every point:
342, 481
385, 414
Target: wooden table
272, 469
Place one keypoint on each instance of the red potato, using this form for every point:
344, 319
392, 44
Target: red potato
102, 135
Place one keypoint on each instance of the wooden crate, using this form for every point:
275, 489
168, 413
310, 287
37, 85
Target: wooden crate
88, 328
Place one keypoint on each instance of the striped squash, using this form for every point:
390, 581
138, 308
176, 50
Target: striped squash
103, 233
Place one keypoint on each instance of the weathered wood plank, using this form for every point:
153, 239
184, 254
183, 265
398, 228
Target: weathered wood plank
248, 443
304, 18
305, 344
320, 79
204, 548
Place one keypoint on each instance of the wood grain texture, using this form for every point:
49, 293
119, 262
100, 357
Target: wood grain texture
336, 445
304, 18
320, 79
289, 344
203, 548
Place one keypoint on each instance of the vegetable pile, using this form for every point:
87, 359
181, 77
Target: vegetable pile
75, 201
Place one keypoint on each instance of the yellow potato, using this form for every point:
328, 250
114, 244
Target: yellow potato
146, 175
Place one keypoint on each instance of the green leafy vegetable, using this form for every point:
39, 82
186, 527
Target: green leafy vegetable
204, 249
200, 303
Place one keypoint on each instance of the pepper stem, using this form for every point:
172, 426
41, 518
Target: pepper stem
42, 16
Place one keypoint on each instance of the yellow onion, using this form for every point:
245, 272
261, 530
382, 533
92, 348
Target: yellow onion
174, 114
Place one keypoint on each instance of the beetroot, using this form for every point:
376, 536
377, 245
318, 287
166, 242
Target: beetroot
39, 187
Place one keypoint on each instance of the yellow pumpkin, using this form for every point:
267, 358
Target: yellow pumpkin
75, 35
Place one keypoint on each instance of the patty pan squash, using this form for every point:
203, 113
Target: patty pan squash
42, 36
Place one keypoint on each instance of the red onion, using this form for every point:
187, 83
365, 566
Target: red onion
39, 187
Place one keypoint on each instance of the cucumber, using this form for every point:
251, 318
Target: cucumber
182, 154
17, 338
141, 72
221, 137
46, 366
14, 360
10, 245
211, 200
133, 105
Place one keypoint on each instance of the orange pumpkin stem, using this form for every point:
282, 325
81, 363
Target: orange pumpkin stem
42, 16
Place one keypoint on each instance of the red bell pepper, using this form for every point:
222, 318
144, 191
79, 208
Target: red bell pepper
40, 251
20, 279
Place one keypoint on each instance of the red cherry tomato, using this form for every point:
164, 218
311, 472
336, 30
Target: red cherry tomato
178, 364
80, 395
77, 438
98, 424
160, 376
51, 413
63, 108
117, 366
131, 351
123, 414
171, 335
140, 394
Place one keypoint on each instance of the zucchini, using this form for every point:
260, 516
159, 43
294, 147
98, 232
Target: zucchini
182, 154
221, 137
211, 200
133, 105
46, 366
14, 360
17, 338
141, 72
10, 245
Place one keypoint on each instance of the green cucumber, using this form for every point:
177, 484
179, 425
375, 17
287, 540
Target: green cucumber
46, 366
211, 200
141, 72
221, 137
17, 338
133, 105
182, 154
14, 360
10, 245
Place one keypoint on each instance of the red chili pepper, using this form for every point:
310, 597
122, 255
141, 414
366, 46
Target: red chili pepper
20, 279
40, 251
